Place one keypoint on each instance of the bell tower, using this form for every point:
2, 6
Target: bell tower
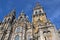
38, 14
43, 28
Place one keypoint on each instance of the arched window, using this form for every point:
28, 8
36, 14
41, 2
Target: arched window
17, 37
35, 12
28, 37
18, 29
40, 11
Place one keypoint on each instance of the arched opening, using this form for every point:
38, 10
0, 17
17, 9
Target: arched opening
18, 29
17, 37
29, 37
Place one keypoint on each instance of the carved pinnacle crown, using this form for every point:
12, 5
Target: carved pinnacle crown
38, 6
13, 12
22, 13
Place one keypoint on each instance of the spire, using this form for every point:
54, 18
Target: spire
38, 6
22, 13
22, 17
13, 12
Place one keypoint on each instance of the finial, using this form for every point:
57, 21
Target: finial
22, 13
13, 12
27, 17
38, 6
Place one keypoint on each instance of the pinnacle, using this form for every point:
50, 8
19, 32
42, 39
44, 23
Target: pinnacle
38, 6
22, 11
13, 12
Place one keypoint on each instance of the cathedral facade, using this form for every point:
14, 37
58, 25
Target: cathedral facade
22, 29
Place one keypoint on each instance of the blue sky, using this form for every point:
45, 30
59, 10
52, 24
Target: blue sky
51, 7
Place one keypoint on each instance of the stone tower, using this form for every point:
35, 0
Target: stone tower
43, 28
